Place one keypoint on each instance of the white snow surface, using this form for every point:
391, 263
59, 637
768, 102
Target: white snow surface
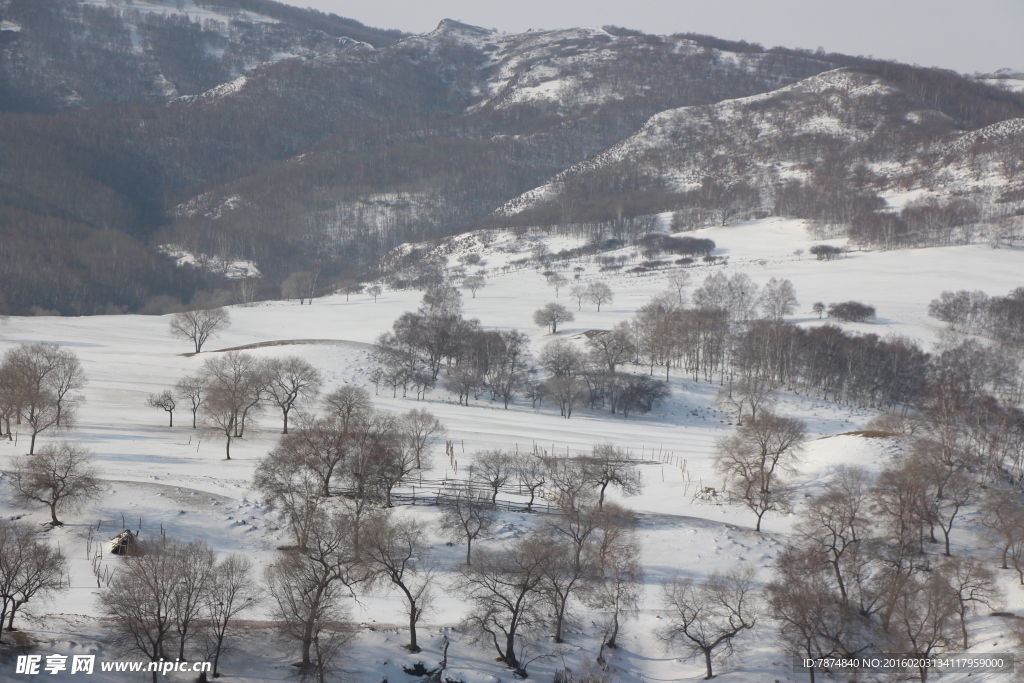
177, 479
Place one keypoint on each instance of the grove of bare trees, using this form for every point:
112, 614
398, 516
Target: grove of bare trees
170, 594
39, 385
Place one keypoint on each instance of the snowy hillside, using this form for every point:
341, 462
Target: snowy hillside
176, 480
767, 140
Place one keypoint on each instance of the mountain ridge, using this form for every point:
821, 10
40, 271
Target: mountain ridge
332, 159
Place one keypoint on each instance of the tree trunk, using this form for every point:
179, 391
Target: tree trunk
615, 632
53, 515
469, 549
510, 650
170, 418
10, 618
707, 662
227, 447
413, 613
285, 411
216, 656
559, 618
307, 644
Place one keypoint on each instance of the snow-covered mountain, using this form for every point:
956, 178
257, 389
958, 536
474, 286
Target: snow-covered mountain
856, 127
250, 131
61, 54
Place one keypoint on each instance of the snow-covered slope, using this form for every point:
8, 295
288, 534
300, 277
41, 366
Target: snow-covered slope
787, 133
176, 479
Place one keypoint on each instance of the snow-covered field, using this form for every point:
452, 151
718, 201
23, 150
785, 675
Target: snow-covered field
176, 479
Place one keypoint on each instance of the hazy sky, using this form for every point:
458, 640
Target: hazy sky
968, 36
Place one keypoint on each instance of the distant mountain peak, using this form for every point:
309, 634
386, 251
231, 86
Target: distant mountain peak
466, 33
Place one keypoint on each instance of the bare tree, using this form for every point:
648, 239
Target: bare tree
296, 477
778, 299
61, 477
556, 281
68, 377
579, 292
348, 403
493, 469
42, 415
562, 358
707, 616
1002, 515
973, 585
306, 588
28, 568
374, 291
232, 590
511, 372
10, 390
924, 618
678, 281
898, 505
531, 472
467, 517
503, 588
195, 563
550, 315
575, 534
753, 393
235, 389
755, 459
567, 393
835, 525
619, 589
246, 290
164, 401
421, 430
220, 416
396, 459
613, 347
41, 378
819, 308
300, 285
811, 622
289, 381
193, 390
397, 554
851, 311
141, 601
474, 283
948, 493
199, 325
611, 466
599, 293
